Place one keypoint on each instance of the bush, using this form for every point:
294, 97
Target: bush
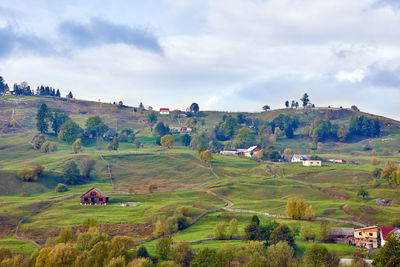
61, 188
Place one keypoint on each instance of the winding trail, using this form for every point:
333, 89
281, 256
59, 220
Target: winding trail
109, 172
229, 204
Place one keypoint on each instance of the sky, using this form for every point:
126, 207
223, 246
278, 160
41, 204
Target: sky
229, 55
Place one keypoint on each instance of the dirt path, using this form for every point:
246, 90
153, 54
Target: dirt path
272, 171
229, 204
34, 213
109, 172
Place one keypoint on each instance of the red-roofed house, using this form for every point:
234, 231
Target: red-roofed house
164, 111
385, 231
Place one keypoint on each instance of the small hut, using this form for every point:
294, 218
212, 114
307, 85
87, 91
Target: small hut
94, 197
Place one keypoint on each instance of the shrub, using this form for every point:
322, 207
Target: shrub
61, 188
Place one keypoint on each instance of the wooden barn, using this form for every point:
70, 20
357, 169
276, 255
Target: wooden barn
94, 197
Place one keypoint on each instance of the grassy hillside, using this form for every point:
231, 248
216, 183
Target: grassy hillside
182, 177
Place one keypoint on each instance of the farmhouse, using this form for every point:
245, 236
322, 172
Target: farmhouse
164, 111
298, 158
312, 163
385, 231
366, 237
250, 152
94, 197
343, 235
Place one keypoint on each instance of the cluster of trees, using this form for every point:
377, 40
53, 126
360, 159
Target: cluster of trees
364, 126
47, 91
297, 208
222, 233
286, 124
179, 221
30, 175
321, 129
391, 173
45, 117
72, 175
40, 143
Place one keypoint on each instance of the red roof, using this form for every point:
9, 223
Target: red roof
387, 230
164, 109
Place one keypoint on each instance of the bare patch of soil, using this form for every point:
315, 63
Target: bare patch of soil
333, 192
204, 207
329, 212
7, 227
360, 217
369, 210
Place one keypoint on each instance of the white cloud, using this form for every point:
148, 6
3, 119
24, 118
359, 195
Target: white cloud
354, 76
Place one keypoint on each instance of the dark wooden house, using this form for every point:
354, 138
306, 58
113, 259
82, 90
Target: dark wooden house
94, 197
343, 235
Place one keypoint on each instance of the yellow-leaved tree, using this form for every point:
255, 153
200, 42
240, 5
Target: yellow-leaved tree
167, 140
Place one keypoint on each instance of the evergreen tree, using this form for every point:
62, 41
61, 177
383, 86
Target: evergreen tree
71, 173
70, 96
42, 119
58, 94
305, 99
58, 118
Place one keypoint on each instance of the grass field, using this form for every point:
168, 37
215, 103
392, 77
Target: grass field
181, 178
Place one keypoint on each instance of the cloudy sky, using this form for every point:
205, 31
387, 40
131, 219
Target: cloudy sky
223, 54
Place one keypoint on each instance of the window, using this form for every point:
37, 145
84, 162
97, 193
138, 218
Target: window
85, 199
370, 234
359, 233
100, 199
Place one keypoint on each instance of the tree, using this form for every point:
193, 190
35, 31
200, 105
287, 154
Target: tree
220, 231
183, 254
315, 255
288, 151
307, 232
280, 254
142, 252
48, 147
194, 107
61, 188
167, 140
305, 99
362, 193
71, 173
58, 118
233, 228
87, 167
185, 139
295, 207
309, 213
342, 134
152, 187
204, 258
137, 144
38, 141
252, 232
266, 108
389, 254
287, 104
389, 172
77, 145
164, 247
324, 231
114, 144
206, 155
69, 131
152, 119
255, 220
42, 117
161, 129
283, 233
245, 137
70, 96
95, 126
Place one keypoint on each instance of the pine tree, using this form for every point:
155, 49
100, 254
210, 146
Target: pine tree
58, 94
41, 119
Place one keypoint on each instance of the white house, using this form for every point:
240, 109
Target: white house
164, 111
312, 163
250, 152
299, 158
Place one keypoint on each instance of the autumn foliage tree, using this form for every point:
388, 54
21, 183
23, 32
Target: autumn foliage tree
28, 175
206, 155
296, 208
167, 140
